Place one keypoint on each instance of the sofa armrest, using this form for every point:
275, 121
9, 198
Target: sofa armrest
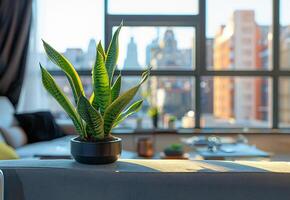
1, 186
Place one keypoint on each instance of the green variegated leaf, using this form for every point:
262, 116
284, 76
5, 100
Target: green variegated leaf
112, 53
51, 86
102, 90
115, 90
101, 50
135, 107
92, 98
93, 102
114, 110
92, 118
66, 66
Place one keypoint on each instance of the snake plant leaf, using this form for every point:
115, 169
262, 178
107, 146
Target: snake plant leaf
51, 86
93, 101
67, 67
115, 90
114, 110
112, 53
92, 98
135, 107
101, 50
101, 84
92, 118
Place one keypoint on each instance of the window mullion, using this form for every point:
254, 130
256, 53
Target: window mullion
200, 60
276, 63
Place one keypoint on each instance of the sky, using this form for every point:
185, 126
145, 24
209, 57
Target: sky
184, 35
72, 23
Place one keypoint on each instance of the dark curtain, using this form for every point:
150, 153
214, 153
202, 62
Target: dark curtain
15, 20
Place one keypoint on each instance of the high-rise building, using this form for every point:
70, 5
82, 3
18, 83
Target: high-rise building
76, 57
131, 63
131, 60
284, 88
239, 45
170, 94
167, 56
209, 53
90, 55
285, 47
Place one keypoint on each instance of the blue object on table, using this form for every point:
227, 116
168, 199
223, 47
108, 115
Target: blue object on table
227, 151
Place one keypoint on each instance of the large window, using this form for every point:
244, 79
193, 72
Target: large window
73, 27
216, 63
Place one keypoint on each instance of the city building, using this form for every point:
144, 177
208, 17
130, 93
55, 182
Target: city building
285, 83
131, 60
172, 95
77, 57
90, 55
241, 45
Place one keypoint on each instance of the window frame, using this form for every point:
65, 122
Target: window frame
198, 21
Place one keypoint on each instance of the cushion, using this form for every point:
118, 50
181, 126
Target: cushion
39, 126
14, 136
59, 147
2, 139
7, 152
7, 111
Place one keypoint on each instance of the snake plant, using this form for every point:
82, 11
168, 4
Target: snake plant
96, 116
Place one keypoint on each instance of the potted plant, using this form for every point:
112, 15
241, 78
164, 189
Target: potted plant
154, 114
171, 122
94, 117
174, 150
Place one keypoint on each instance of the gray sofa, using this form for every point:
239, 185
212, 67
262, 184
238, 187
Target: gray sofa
12, 134
146, 179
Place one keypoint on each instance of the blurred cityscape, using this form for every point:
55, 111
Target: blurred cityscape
241, 44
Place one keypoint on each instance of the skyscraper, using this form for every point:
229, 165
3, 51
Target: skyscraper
285, 47
91, 53
238, 46
131, 60
284, 87
170, 94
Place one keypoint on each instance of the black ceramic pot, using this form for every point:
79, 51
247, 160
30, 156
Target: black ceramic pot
100, 152
172, 152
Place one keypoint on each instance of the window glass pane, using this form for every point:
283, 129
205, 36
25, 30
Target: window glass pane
239, 34
284, 103
285, 35
72, 30
153, 7
173, 97
163, 48
242, 102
